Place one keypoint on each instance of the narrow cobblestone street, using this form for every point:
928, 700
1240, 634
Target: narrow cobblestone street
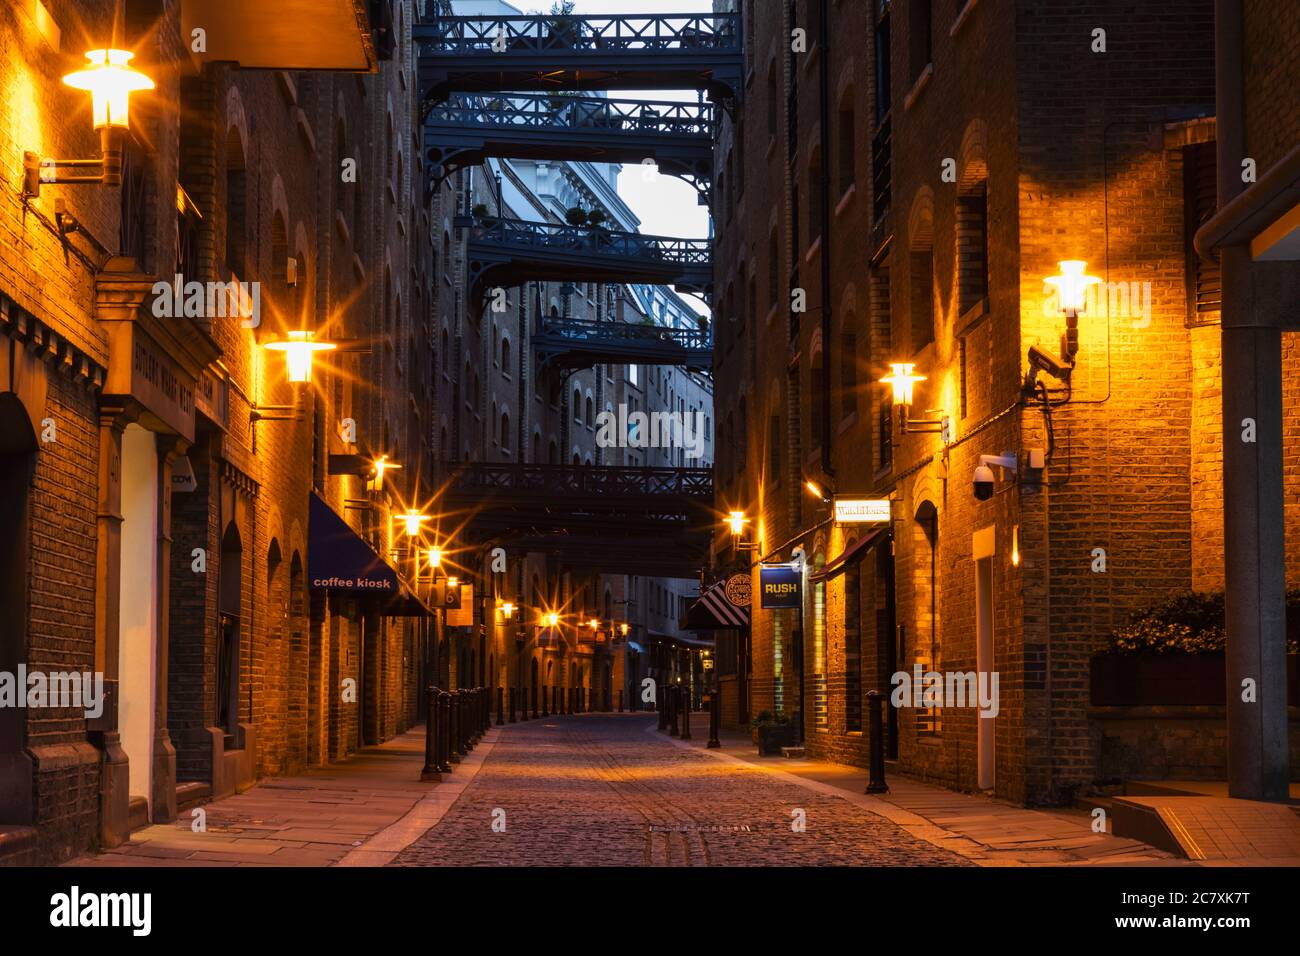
609, 791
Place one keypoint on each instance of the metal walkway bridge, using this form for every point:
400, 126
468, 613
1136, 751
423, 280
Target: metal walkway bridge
615, 520
549, 52
580, 343
467, 128
509, 252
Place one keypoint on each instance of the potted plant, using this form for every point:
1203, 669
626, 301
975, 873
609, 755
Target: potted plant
575, 216
1172, 654
597, 219
563, 29
772, 732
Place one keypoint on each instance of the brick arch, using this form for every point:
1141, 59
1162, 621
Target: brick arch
236, 117
848, 303
846, 87
920, 220
973, 165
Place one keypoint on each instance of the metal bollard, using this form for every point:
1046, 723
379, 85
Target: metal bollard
453, 727
501, 693
532, 694
444, 732
431, 771
546, 692
715, 719
671, 702
512, 695
620, 700
876, 783
661, 705
686, 713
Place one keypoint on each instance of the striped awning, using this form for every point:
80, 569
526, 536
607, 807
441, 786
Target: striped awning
712, 611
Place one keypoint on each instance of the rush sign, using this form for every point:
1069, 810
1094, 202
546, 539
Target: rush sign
779, 586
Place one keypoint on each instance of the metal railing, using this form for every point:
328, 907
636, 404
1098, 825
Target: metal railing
549, 33
562, 111
596, 333
592, 480
591, 240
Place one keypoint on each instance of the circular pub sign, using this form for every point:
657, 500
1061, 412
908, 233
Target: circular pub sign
737, 590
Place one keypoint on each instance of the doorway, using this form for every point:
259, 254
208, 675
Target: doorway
984, 665
17, 459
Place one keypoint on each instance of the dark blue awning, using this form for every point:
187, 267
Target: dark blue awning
340, 560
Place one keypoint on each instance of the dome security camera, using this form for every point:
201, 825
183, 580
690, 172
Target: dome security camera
983, 483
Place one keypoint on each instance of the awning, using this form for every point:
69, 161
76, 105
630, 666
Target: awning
340, 560
852, 554
696, 642
713, 612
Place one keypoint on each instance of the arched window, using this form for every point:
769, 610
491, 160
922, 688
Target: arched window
577, 406
505, 431
505, 355
590, 416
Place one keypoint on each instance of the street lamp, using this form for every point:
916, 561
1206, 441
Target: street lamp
110, 80
299, 351
736, 522
381, 465
903, 378
1071, 284
507, 610
412, 520
818, 492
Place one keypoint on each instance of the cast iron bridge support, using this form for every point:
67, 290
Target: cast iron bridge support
581, 343
470, 127
549, 52
619, 520
510, 252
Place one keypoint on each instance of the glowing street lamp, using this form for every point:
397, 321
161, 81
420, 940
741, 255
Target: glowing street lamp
903, 378
453, 581
1072, 286
552, 619
623, 629
412, 520
818, 492
299, 350
435, 557
381, 465
737, 521
507, 610
110, 80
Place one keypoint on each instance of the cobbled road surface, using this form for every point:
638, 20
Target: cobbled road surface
611, 791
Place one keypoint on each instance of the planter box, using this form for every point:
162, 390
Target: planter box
772, 737
1167, 680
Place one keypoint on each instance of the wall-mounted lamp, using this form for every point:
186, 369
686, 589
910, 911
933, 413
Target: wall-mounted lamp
453, 581
903, 378
624, 628
1071, 284
412, 520
381, 465
299, 351
507, 610
110, 80
552, 619
434, 555
736, 522
818, 492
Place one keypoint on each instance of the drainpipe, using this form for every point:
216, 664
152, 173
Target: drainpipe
1253, 553
823, 96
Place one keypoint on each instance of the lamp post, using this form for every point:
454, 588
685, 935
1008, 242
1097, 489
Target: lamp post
300, 348
903, 379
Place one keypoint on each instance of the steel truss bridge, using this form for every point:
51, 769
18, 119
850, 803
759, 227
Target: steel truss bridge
549, 52
580, 343
510, 252
614, 520
467, 128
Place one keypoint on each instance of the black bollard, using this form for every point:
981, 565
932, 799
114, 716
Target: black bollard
501, 693
547, 692
512, 696
453, 727
876, 783
686, 713
444, 732
715, 719
532, 694
671, 703
430, 771
620, 700
661, 705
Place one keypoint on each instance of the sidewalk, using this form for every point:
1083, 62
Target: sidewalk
317, 818
986, 831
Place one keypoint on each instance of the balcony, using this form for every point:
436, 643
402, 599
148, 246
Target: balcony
468, 128
548, 52
510, 252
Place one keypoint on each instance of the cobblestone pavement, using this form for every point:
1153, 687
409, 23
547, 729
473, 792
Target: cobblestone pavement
610, 791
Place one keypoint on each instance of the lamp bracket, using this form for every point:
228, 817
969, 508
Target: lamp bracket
1006, 460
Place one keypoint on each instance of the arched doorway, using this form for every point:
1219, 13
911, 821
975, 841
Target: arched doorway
228, 636
17, 464
533, 696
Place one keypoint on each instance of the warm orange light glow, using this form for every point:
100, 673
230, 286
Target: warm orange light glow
902, 377
412, 520
1072, 285
1015, 546
453, 581
737, 520
110, 80
552, 619
623, 629
435, 557
507, 610
594, 624
382, 464
298, 351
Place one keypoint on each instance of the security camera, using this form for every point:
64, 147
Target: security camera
984, 477
1041, 360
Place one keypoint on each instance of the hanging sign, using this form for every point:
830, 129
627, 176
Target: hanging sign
862, 510
462, 615
738, 590
779, 586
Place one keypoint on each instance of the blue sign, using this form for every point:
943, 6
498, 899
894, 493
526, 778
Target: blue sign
779, 586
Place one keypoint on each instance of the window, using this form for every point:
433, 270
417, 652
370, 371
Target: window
919, 29
848, 371
816, 380
848, 151
590, 417
922, 298
505, 355
880, 352
1200, 203
577, 406
972, 248
505, 431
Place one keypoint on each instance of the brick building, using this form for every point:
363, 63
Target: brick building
936, 162
167, 484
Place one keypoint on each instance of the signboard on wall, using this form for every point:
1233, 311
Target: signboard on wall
779, 586
738, 590
463, 614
